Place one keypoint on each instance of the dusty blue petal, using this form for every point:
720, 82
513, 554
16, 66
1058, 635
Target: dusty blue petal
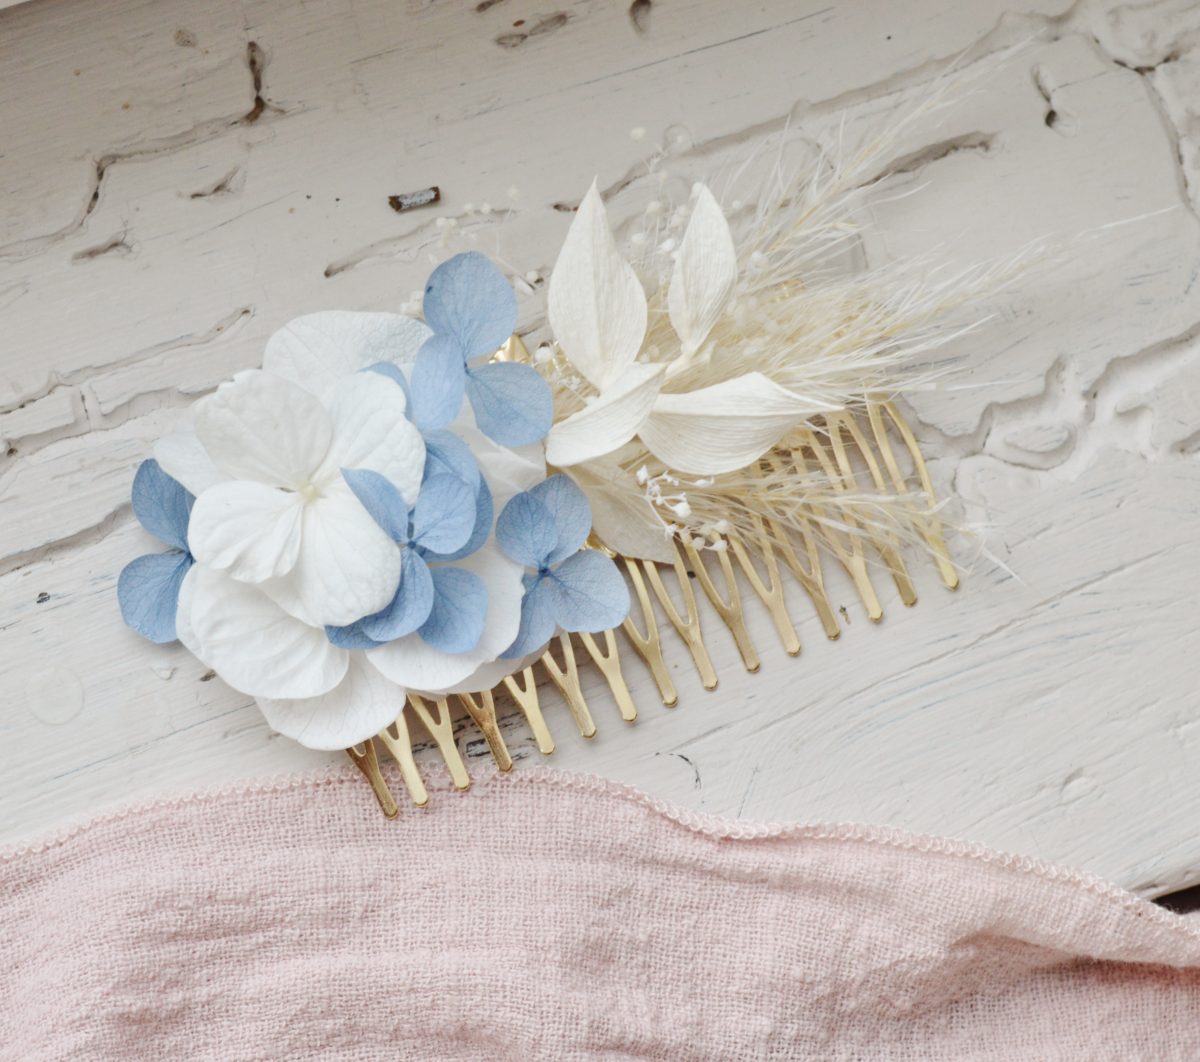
351, 636
525, 531
537, 621
588, 593
572, 514
148, 593
438, 378
483, 524
447, 454
393, 373
409, 608
444, 515
512, 403
459, 606
161, 505
468, 298
381, 499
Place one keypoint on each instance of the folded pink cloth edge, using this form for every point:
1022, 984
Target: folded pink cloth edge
437, 780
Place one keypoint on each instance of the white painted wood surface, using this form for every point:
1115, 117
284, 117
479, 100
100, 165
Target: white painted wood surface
181, 179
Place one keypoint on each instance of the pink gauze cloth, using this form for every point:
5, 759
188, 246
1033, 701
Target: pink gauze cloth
550, 916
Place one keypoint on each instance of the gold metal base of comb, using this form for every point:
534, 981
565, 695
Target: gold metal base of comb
853, 451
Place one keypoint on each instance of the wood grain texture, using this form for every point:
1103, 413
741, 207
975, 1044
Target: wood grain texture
182, 179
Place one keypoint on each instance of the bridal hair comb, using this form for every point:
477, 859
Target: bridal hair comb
397, 519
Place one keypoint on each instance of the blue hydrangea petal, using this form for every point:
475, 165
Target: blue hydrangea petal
351, 636
511, 402
537, 621
468, 298
381, 498
588, 593
484, 511
396, 375
447, 454
444, 515
148, 593
439, 377
411, 605
161, 505
572, 514
460, 599
525, 530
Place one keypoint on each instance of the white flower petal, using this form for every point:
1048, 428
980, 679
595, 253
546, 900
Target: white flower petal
371, 431
610, 421
185, 460
411, 662
596, 306
508, 470
704, 275
361, 705
248, 530
264, 428
183, 616
726, 426
346, 568
318, 349
254, 645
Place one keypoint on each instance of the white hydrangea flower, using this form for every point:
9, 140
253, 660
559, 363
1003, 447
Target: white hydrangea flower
284, 518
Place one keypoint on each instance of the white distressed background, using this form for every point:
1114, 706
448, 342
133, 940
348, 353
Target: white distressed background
180, 179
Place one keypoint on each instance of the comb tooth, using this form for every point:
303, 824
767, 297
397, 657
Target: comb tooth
851, 557
527, 700
397, 740
930, 526
609, 663
367, 761
842, 425
566, 679
728, 608
812, 578
483, 712
688, 629
648, 645
442, 732
771, 590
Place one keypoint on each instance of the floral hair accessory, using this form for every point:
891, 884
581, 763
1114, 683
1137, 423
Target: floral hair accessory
366, 524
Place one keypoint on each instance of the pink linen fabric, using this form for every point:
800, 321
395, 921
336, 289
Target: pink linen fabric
549, 916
